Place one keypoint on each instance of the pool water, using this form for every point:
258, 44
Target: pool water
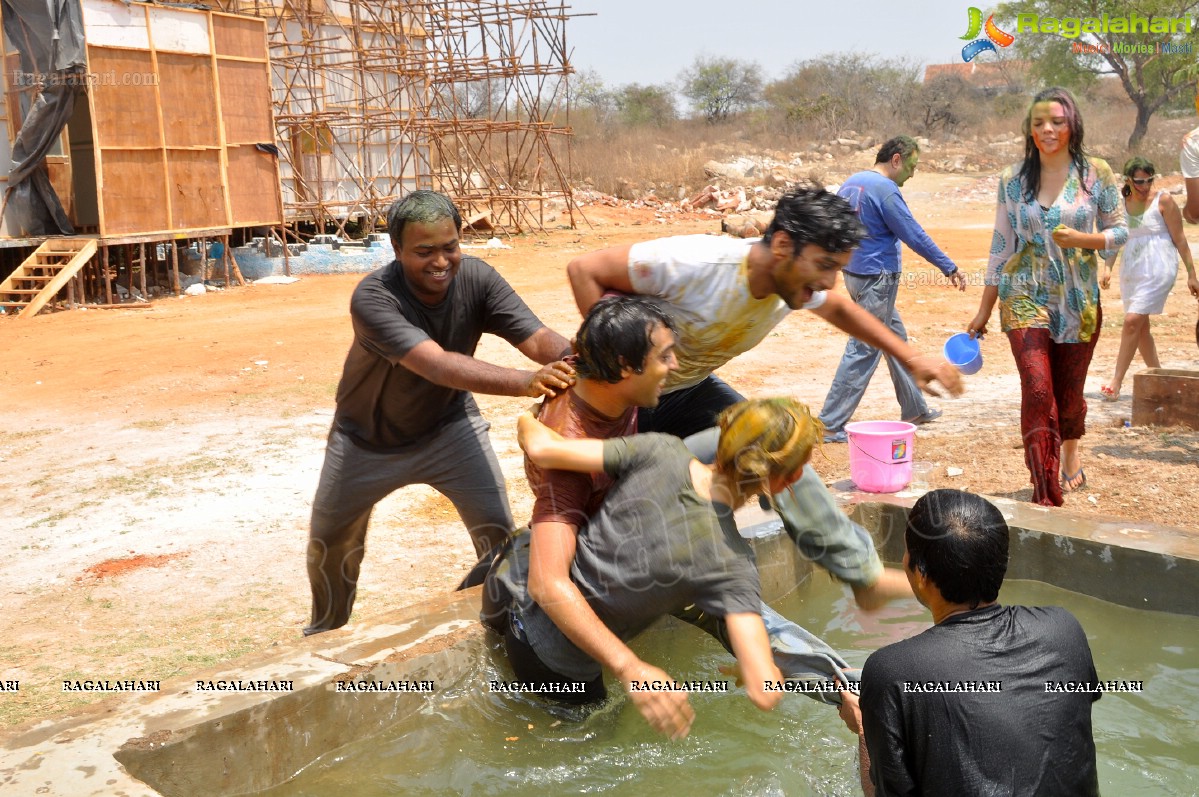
470, 741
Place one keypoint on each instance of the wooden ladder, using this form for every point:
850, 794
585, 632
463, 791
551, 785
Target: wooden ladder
44, 273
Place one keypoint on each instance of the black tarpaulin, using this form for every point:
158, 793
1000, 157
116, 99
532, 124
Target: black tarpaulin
48, 34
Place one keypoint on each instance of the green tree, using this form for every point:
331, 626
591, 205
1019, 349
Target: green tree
718, 87
587, 90
828, 95
645, 105
1151, 79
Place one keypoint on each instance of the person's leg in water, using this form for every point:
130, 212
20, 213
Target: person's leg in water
497, 614
553, 686
799, 654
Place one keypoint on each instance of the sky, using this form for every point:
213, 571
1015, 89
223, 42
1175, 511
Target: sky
652, 41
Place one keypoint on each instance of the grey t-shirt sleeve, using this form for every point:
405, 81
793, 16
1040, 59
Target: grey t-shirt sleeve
624, 454
616, 456
379, 322
507, 314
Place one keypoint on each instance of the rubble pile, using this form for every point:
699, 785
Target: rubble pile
743, 189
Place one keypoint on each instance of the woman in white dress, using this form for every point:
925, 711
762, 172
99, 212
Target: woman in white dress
1149, 266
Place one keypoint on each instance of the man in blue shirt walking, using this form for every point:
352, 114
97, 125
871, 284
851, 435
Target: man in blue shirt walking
872, 279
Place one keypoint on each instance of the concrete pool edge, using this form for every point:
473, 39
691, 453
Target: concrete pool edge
221, 743
96, 751
1157, 568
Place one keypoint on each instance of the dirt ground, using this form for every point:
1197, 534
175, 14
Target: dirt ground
159, 464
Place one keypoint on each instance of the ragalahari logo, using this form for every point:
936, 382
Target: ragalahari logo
994, 36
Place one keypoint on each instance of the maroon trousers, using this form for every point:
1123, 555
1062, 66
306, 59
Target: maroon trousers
1052, 407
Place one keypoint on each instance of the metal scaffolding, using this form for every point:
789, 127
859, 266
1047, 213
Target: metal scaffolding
376, 98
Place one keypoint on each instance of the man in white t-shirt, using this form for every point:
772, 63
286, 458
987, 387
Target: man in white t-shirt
1189, 161
725, 296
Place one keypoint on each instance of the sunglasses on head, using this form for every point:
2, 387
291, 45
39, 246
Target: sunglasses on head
1141, 180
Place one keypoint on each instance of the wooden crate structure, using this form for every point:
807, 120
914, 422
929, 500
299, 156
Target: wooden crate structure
1165, 397
177, 132
180, 103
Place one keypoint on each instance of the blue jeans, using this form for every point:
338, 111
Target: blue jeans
875, 294
820, 530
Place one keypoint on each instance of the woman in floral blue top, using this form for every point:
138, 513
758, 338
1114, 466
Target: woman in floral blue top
1056, 208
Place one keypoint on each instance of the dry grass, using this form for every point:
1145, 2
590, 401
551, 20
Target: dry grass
628, 161
631, 161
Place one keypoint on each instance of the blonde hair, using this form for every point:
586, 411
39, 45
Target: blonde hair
762, 439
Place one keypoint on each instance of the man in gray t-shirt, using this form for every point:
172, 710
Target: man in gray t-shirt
404, 410
653, 548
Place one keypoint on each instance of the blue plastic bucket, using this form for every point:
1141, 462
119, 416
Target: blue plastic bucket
964, 352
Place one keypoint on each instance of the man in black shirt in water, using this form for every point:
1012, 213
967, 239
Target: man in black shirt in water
992, 700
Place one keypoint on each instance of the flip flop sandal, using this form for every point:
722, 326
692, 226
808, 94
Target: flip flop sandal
1066, 479
1109, 394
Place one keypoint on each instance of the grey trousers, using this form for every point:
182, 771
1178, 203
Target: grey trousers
876, 294
824, 534
457, 460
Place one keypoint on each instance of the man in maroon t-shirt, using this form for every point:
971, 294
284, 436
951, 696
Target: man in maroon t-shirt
602, 404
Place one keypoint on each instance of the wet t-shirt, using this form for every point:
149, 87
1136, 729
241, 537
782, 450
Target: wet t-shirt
654, 547
564, 496
704, 280
382, 405
929, 732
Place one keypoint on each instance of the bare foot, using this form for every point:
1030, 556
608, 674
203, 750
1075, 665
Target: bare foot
1073, 476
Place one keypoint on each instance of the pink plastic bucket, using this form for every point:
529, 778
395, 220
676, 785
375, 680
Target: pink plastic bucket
880, 455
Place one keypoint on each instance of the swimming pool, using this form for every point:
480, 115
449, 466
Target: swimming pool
467, 740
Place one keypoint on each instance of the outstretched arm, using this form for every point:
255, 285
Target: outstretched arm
751, 646
850, 318
463, 372
596, 272
548, 449
898, 218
